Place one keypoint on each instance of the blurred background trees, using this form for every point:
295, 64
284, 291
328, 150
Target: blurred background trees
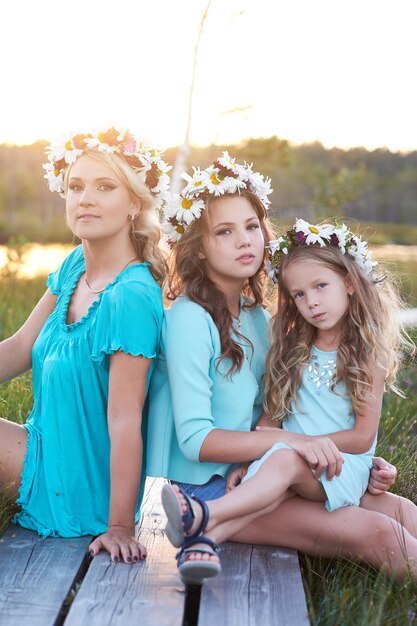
309, 180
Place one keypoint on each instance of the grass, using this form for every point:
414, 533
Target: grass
338, 592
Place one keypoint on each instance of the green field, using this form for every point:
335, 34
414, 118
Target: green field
338, 592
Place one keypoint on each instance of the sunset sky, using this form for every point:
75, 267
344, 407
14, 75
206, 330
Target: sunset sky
339, 71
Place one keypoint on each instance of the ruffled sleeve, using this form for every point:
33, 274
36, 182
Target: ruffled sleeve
71, 264
129, 320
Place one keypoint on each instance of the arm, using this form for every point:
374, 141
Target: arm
16, 352
127, 390
323, 452
360, 438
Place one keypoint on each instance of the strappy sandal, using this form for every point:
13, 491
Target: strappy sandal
194, 572
180, 523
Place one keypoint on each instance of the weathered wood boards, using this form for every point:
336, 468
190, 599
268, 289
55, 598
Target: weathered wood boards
146, 593
259, 585
36, 575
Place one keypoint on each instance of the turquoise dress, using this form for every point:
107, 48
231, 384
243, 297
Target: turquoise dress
65, 487
320, 411
190, 394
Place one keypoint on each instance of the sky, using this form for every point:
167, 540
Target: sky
342, 72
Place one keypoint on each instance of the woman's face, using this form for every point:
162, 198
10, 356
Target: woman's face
233, 248
98, 204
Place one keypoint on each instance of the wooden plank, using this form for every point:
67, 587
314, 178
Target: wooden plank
258, 585
146, 593
36, 575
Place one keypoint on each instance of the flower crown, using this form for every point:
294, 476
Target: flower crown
222, 176
145, 161
305, 234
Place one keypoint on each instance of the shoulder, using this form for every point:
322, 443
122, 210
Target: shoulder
134, 296
72, 264
136, 282
184, 310
188, 320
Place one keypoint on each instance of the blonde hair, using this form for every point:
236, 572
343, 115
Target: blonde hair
146, 228
188, 275
371, 330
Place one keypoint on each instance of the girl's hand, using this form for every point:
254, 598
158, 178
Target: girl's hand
320, 452
120, 543
235, 478
383, 476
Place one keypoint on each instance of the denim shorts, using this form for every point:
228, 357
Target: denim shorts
213, 489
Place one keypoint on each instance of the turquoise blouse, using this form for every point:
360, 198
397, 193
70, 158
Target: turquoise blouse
190, 395
65, 486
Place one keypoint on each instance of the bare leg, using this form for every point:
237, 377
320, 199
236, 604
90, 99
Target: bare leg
401, 509
13, 444
284, 469
350, 532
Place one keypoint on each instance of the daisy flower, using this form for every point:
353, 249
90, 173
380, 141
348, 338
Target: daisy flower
260, 186
189, 209
314, 234
173, 231
213, 182
195, 183
342, 234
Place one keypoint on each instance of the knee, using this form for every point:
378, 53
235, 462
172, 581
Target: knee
407, 511
287, 461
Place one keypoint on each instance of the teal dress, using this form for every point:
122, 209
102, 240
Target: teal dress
65, 489
319, 411
191, 394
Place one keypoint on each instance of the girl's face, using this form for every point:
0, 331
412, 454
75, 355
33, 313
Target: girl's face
233, 247
320, 294
98, 204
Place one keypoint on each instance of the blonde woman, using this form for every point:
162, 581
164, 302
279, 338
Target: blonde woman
75, 467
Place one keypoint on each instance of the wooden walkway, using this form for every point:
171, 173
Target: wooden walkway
50, 582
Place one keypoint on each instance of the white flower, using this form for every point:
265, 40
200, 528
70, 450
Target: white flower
173, 232
276, 244
260, 186
55, 182
213, 183
195, 183
271, 271
227, 161
342, 234
95, 142
189, 210
314, 233
64, 149
232, 185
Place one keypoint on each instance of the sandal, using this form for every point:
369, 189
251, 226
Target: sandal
194, 572
180, 523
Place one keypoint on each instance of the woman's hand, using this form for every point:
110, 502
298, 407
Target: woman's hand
321, 453
120, 543
383, 476
235, 478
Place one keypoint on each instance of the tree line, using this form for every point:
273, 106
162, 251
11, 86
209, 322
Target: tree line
308, 180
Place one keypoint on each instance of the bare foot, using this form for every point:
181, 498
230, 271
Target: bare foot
194, 556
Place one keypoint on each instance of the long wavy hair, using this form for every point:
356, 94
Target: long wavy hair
146, 228
371, 329
188, 276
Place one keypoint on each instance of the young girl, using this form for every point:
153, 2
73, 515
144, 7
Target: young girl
75, 467
206, 391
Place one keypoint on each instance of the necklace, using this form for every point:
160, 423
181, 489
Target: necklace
95, 291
